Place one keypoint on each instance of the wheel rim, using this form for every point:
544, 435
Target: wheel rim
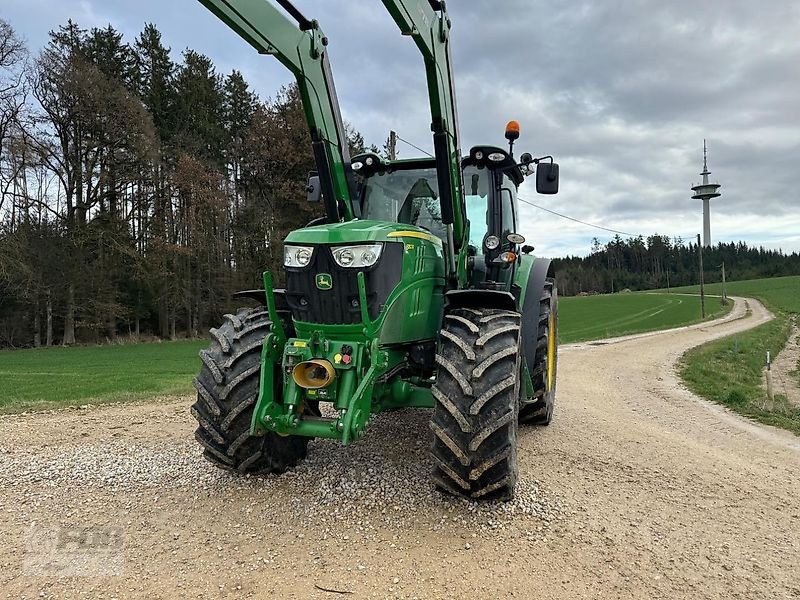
551, 350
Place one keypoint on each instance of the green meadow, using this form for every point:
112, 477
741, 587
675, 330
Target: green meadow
584, 318
50, 377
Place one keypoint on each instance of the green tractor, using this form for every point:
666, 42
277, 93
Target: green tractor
414, 289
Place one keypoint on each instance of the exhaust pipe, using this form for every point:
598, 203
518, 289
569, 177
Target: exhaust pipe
314, 374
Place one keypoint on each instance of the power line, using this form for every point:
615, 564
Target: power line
558, 214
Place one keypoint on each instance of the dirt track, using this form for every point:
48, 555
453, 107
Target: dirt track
637, 490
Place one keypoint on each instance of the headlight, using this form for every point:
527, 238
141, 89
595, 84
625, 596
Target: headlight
364, 255
346, 257
297, 256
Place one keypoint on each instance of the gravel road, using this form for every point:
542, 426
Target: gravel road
637, 490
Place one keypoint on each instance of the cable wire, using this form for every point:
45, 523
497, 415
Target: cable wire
558, 214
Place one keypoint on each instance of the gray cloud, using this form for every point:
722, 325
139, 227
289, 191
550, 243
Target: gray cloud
622, 93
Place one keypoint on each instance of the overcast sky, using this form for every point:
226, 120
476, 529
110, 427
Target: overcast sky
621, 93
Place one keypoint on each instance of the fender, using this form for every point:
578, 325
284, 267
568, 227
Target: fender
480, 299
540, 270
260, 297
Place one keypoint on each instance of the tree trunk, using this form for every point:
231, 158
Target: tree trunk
37, 326
196, 320
163, 313
172, 335
69, 318
49, 331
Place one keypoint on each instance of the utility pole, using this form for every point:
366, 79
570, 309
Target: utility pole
724, 293
702, 285
392, 148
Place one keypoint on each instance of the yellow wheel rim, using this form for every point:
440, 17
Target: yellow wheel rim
551, 350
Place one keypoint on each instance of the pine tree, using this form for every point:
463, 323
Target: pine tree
199, 109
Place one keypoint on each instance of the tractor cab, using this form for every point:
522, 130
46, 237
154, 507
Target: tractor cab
406, 192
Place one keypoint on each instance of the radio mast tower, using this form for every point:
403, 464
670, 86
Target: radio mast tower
705, 191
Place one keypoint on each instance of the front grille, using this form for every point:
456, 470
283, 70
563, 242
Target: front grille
340, 303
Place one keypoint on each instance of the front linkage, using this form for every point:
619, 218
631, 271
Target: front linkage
349, 373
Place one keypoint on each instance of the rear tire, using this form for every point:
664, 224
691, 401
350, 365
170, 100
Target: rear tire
540, 411
227, 390
476, 403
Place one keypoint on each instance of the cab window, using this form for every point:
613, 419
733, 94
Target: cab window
508, 194
476, 195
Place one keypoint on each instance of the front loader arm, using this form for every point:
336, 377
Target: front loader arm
301, 49
427, 22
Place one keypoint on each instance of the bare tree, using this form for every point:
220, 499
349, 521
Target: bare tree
13, 94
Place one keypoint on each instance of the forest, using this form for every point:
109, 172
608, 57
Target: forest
658, 262
139, 189
136, 190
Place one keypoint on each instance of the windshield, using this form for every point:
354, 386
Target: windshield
403, 196
412, 196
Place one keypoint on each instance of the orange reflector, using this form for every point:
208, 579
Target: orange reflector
508, 257
512, 130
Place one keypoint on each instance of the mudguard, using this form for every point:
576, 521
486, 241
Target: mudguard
480, 299
259, 296
540, 270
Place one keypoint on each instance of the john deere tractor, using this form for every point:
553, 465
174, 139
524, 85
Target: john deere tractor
414, 289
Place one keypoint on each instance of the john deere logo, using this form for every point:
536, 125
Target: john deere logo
324, 281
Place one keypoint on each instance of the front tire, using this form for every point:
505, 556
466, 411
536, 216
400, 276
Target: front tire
476, 401
227, 390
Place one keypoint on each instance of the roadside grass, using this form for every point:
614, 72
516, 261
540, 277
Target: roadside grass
47, 378
584, 318
717, 372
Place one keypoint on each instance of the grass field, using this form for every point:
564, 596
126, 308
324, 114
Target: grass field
728, 371
584, 318
777, 293
49, 377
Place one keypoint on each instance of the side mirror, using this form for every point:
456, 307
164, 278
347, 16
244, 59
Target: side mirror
547, 178
313, 188
527, 249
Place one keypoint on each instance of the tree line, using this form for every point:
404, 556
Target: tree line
136, 190
657, 261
